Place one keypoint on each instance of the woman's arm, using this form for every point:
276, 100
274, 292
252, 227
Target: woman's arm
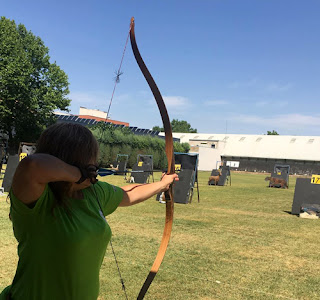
35, 171
136, 193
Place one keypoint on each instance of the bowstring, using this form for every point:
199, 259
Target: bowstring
118, 74
114, 254
121, 279
116, 81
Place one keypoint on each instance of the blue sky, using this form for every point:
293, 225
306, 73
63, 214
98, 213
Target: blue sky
234, 66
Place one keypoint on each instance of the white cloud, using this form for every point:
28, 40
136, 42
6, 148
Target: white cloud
297, 119
270, 87
262, 103
120, 98
88, 99
216, 102
97, 100
144, 93
281, 104
176, 101
276, 87
247, 83
170, 101
83, 97
272, 103
282, 120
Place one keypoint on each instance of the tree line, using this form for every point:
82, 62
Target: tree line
113, 141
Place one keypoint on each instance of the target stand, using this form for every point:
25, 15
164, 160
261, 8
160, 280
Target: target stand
25, 149
186, 166
306, 193
280, 172
120, 164
224, 173
143, 169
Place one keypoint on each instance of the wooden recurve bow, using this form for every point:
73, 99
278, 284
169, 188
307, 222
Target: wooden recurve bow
170, 157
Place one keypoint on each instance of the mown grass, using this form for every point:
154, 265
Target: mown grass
239, 242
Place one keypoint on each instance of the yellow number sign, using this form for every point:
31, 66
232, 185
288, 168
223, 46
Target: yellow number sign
22, 156
177, 167
140, 163
315, 179
279, 173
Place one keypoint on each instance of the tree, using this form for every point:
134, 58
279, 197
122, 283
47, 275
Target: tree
31, 87
273, 132
178, 126
157, 128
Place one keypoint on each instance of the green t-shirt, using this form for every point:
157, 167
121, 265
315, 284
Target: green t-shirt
60, 255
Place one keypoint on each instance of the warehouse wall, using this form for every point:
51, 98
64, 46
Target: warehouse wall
251, 164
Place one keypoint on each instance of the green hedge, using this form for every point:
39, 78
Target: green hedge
113, 141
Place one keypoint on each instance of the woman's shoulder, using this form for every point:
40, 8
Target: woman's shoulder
18, 206
109, 195
105, 186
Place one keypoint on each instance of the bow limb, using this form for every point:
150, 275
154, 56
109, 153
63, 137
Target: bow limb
170, 157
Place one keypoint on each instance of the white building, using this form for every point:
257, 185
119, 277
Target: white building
255, 152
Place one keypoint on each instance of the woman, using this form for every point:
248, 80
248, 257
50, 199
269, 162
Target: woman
58, 216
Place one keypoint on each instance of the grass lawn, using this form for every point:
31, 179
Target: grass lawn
239, 242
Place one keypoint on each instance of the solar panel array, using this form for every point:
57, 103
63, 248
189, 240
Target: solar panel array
91, 122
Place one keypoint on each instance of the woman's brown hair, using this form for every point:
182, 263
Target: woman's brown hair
72, 143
